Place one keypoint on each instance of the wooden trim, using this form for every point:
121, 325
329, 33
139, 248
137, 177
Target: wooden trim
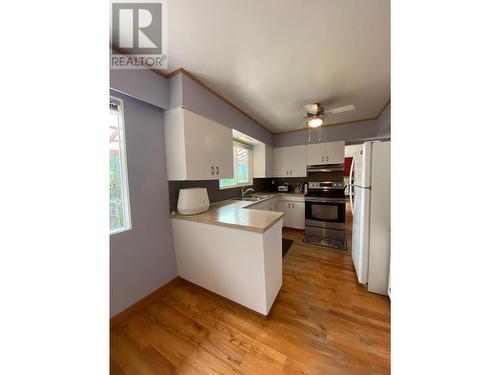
383, 108
327, 126
174, 73
215, 93
142, 303
341, 123
212, 91
201, 83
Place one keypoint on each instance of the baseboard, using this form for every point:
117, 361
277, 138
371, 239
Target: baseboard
141, 304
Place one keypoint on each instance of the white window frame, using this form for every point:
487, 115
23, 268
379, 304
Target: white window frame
250, 166
123, 160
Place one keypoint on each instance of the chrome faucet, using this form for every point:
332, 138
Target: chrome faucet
246, 191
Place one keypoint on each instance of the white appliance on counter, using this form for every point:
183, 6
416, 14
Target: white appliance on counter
193, 201
370, 203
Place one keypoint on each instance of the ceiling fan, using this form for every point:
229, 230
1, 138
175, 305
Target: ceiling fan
316, 114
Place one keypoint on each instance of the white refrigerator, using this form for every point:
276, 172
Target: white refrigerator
370, 203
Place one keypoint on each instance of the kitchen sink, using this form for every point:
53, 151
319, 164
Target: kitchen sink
254, 197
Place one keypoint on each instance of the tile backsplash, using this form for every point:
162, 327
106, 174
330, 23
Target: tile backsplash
259, 184
292, 181
214, 193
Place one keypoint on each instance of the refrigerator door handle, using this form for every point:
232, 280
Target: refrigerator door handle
351, 185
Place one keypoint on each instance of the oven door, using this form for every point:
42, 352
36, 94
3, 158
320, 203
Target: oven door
325, 214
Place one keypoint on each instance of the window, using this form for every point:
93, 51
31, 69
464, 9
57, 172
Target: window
242, 167
119, 209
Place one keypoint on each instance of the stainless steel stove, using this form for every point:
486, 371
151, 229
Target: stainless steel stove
325, 211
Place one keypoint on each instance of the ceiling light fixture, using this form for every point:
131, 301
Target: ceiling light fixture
315, 122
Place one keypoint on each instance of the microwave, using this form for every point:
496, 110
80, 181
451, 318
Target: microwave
284, 188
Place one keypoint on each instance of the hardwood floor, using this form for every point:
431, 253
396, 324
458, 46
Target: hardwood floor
323, 322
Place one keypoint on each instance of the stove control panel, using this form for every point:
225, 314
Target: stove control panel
327, 185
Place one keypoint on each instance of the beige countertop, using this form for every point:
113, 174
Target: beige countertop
238, 214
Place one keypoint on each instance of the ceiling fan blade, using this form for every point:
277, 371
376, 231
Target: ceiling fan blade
345, 108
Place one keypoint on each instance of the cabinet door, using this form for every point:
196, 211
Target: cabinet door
283, 206
259, 160
262, 160
269, 161
299, 212
280, 164
209, 148
315, 154
334, 152
296, 156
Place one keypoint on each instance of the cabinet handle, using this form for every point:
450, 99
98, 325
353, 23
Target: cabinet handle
291, 172
322, 158
212, 169
217, 168
327, 158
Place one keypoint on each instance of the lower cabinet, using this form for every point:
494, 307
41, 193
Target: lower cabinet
294, 213
267, 205
294, 209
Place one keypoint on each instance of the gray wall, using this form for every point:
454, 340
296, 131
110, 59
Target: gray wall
142, 84
188, 93
352, 133
143, 259
384, 123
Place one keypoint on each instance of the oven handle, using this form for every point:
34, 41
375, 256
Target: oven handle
350, 185
319, 200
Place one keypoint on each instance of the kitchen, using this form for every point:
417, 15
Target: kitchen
261, 238
233, 187
304, 183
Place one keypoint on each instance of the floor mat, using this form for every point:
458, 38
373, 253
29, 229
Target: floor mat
285, 246
330, 242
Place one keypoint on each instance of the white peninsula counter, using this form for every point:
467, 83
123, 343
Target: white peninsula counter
232, 250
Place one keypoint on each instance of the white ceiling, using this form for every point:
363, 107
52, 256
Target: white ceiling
271, 57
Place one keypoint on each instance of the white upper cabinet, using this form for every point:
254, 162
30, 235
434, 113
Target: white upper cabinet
297, 160
279, 162
335, 152
315, 153
197, 148
290, 161
262, 160
325, 153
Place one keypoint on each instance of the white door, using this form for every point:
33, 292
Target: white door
299, 212
269, 161
315, 154
296, 157
209, 148
362, 165
380, 218
280, 165
283, 207
335, 152
360, 232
